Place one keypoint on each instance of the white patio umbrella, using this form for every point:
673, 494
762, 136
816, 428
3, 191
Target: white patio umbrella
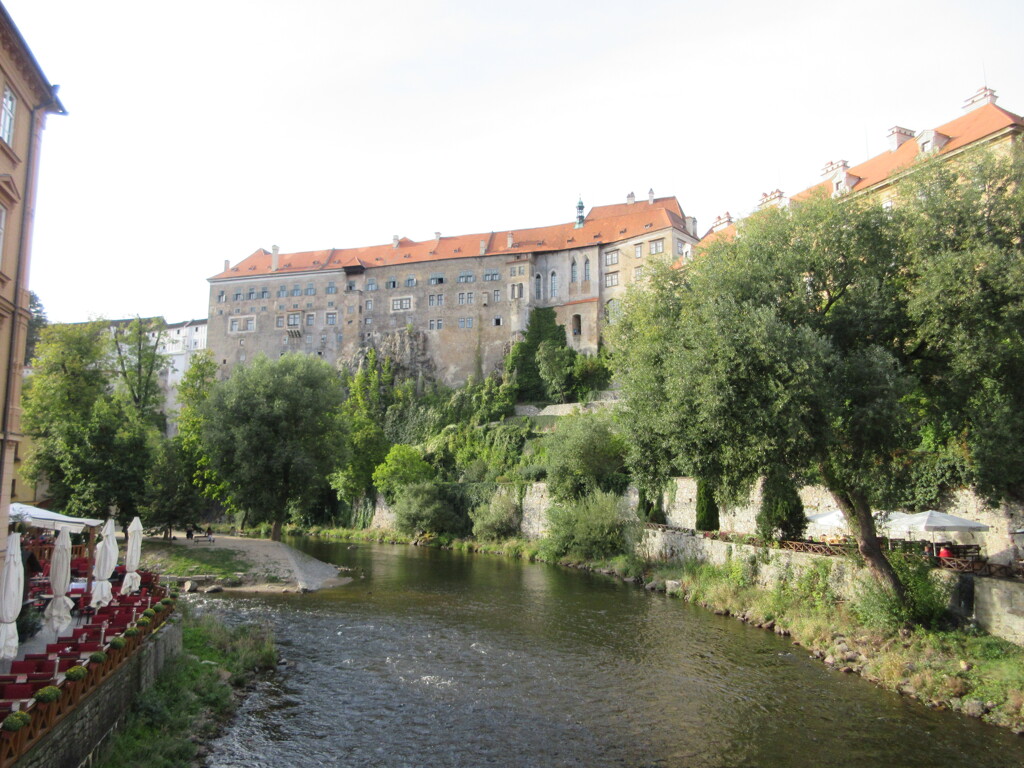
933, 521
106, 559
12, 591
834, 520
132, 580
58, 613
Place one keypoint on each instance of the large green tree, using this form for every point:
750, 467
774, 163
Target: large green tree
273, 432
779, 351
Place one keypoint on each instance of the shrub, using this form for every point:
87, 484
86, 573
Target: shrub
596, 527
117, 643
143, 621
158, 607
925, 601
97, 657
585, 454
16, 720
167, 600
781, 515
48, 694
498, 519
149, 612
402, 467
427, 508
131, 632
174, 596
77, 672
707, 508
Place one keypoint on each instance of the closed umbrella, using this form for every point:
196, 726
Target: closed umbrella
132, 580
58, 613
106, 559
12, 592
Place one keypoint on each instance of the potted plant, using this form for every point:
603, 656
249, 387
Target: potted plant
73, 684
13, 730
46, 703
167, 601
131, 632
75, 673
149, 613
158, 608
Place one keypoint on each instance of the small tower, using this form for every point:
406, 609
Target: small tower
579, 213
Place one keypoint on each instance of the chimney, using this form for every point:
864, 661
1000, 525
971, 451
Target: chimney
394, 241
650, 196
771, 200
227, 265
511, 239
437, 237
691, 225
721, 222
273, 258
985, 95
630, 199
483, 247
897, 136
834, 165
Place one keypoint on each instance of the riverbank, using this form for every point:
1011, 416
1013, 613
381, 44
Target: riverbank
240, 564
957, 668
193, 697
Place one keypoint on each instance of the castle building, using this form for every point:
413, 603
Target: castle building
26, 98
983, 124
458, 301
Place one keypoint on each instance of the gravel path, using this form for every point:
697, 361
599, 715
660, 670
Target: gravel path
289, 569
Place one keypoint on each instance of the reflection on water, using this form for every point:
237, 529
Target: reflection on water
434, 658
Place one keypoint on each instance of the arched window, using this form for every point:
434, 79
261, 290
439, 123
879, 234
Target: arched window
577, 325
574, 272
553, 285
538, 292
586, 270
611, 310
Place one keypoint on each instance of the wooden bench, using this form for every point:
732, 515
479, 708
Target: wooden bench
203, 537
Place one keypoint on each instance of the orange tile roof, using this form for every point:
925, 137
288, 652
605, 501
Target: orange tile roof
977, 124
608, 226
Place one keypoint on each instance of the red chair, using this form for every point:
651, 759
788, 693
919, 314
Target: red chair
24, 667
18, 691
59, 647
37, 656
87, 647
44, 677
63, 665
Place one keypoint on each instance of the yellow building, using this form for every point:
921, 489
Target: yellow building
26, 98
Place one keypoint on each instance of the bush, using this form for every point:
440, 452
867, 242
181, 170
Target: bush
48, 694
168, 600
97, 657
924, 604
596, 527
404, 466
16, 720
427, 508
498, 519
149, 612
142, 621
77, 672
585, 454
707, 508
158, 608
117, 643
131, 632
781, 515
29, 622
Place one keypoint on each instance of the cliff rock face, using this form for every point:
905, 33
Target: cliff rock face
407, 350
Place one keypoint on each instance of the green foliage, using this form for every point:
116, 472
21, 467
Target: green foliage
138, 360
594, 527
429, 508
707, 507
193, 391
143, 621
585, 454
48, 694
781, 514
522, 360
78, 672
500, 518
555, 365
149, 612
131, 632
117, 643
926, 599
273, 432
36, 322
16, 720
172, 498
403, 466
29, 622
97, 657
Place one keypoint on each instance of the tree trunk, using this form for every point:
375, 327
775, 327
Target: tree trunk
858, 515
275, 532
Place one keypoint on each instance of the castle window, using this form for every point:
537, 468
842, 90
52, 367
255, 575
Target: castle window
221, 297
296, 290
392, 282
410, 281
497, 295
399, 304
332, 318
553, 285
538, 291
586, 270
656, 246
282, 292
369, 306
440, 324
371, 284
310, 319
638, 250
279, 323
466, 277
7, 110
611, 279
574, 272
437, 279
610, 258
331, 287
294, 318
469, 297
497, 320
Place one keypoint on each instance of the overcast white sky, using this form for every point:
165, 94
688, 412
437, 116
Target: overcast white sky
201, 131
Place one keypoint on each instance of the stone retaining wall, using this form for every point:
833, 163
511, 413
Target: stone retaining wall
73, 742
999, 608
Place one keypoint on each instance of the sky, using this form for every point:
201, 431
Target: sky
198, 132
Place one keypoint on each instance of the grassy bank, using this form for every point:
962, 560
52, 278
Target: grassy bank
192, 560
192, 697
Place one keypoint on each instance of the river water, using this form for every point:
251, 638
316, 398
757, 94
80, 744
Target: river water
433, 658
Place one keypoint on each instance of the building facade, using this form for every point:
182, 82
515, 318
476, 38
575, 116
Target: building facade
457, 303
180, 342
26, 98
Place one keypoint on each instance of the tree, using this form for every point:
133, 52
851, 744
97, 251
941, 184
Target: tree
273, 432
428, 508
707, 507
782, 348
36, 322
585, 454
139, 363
171, 497
781, 514
522, 360
403, 466
555, 364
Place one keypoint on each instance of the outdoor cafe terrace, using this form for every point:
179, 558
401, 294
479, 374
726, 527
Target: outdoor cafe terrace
97, 616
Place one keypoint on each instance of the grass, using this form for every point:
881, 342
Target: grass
193, 559
190, 699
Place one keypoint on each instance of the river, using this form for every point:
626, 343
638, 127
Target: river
433, 658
